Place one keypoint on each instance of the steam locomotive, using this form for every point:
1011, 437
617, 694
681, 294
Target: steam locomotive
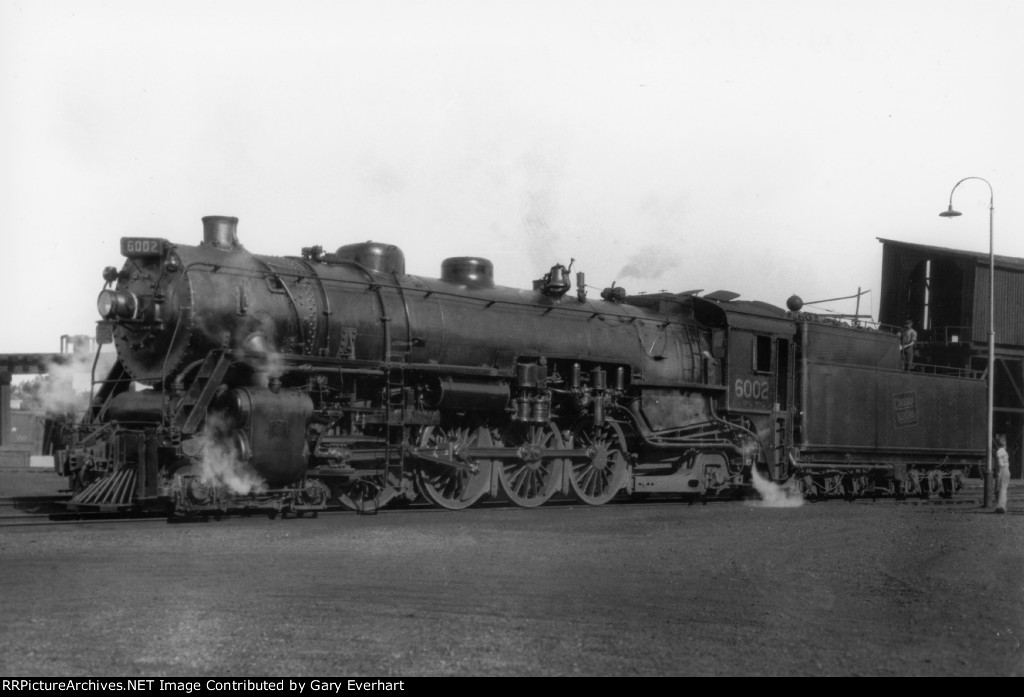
295, 384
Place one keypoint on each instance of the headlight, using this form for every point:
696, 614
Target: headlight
105, 304
116, 304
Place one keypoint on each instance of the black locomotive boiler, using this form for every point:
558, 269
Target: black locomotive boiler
298, 383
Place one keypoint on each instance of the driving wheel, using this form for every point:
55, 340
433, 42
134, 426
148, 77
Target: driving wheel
530, 476
453, 487
598, 478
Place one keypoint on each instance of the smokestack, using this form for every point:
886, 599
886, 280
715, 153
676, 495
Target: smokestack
221, 231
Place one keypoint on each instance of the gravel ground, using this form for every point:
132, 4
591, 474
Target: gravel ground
836, 588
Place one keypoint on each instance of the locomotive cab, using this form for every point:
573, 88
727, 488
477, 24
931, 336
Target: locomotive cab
756, 342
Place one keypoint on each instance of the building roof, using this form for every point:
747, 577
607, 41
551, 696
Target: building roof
31, 363
980, 257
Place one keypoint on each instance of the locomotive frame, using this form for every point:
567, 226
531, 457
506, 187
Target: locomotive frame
299, 383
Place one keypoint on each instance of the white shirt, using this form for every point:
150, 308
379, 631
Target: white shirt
1004, 458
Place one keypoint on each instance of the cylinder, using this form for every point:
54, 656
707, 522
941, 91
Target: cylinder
523, 408
268, 430
541, 411
531, 375
450, 393
526, 374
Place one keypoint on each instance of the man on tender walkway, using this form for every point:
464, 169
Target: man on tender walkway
908, 337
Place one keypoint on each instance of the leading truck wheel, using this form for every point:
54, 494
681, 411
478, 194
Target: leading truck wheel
367, 494
597, 479
455, 486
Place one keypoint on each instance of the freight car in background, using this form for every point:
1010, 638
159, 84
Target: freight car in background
297, 383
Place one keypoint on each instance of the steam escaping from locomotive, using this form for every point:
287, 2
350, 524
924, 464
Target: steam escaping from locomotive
65, 389
222, 463
267, 362
775, 495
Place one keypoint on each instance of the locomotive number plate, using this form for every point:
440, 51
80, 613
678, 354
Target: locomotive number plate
142, 247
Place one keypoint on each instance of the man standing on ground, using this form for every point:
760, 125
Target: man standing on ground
1003, 476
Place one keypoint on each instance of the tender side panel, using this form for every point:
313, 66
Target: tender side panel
859, 410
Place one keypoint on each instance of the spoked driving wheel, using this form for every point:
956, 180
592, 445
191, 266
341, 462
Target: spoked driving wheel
462, 483
598, 478
367, 494
529, 477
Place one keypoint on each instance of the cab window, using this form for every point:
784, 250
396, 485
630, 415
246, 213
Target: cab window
762, 354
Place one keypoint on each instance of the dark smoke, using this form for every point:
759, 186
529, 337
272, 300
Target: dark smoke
649, 263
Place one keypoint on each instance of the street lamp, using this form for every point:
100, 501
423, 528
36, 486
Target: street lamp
950, 213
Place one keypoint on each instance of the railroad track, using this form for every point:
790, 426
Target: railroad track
78, 519
19, 511
19, 506
9, 501
50, 510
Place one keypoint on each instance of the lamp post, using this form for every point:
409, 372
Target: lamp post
950, 213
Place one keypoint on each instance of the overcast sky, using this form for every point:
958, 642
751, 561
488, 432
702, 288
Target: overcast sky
755, 146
